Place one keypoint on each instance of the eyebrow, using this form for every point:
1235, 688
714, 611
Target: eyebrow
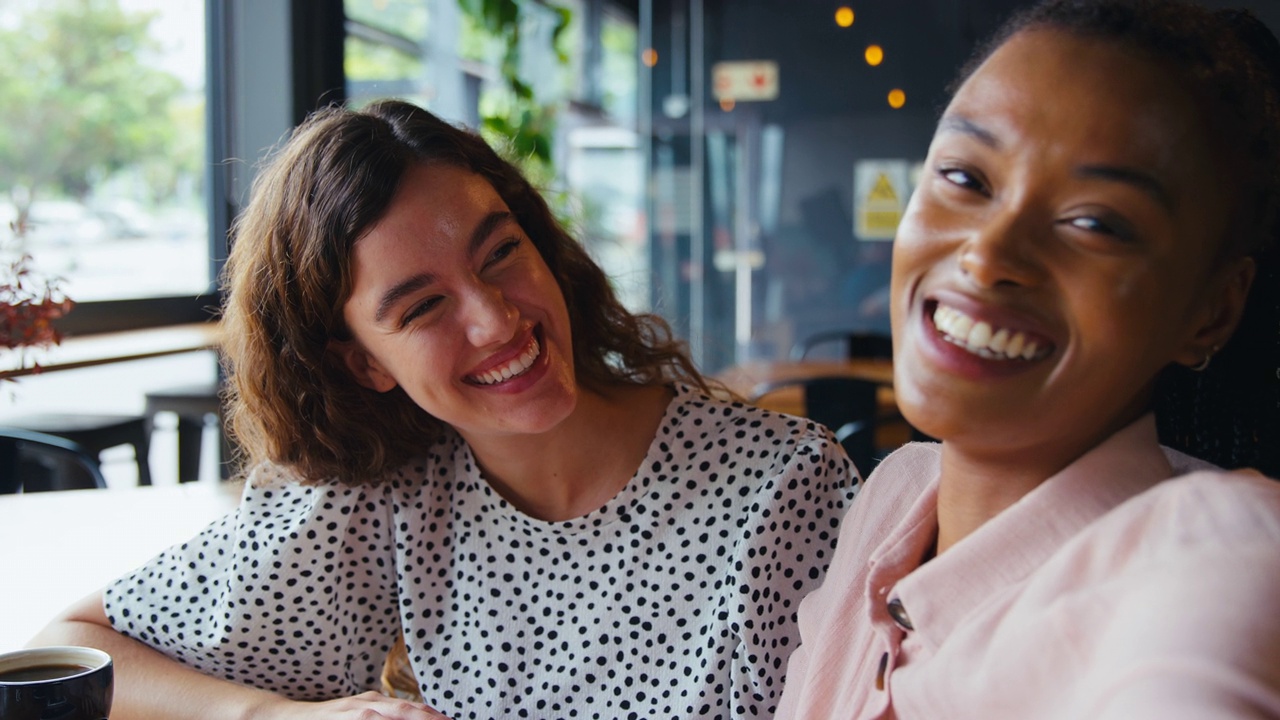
1129, 176
413, 283
961, 124
485, 228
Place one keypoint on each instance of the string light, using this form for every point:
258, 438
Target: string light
844, 16
897, 98
874, 55
649, 57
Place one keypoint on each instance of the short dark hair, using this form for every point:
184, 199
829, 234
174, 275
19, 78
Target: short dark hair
290, 399
1228, 414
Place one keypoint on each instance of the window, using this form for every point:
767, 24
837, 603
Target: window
103, 160
384, 54
577, 135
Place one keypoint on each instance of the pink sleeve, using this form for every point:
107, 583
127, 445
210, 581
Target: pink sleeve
1215, 650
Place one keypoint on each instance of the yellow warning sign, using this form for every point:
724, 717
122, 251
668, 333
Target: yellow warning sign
880, 188
880, 223
883, 190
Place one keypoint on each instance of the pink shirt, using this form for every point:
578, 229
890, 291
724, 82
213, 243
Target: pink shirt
1109, 591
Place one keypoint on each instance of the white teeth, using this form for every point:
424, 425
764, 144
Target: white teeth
998, 341
516, 367
1014, 348
980, 338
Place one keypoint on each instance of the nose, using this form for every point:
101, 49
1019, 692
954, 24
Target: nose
488, 318
1001, 251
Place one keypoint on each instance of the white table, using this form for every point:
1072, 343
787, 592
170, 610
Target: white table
58, 547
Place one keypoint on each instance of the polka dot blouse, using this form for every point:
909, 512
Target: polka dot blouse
677, 599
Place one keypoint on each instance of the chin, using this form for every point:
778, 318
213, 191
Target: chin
934, 410
548, 414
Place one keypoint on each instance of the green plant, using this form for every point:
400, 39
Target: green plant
522, 123
79, 101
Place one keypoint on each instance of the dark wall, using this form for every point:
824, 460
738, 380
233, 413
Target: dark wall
832, 105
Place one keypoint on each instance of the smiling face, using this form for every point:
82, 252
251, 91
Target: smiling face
452, 302
1061, 248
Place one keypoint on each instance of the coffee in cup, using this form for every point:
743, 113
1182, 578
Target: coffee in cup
56, 683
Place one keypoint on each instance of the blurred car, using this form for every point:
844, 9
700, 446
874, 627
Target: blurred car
63, 222
125, 219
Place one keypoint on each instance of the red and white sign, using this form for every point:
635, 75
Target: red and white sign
745, 80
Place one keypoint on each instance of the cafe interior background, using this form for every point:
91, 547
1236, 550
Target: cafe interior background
737, 166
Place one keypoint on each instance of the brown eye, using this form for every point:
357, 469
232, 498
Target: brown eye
504, 250
1114, 228
962, 178
420, 309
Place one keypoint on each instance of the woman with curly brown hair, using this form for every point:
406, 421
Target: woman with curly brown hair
457, 437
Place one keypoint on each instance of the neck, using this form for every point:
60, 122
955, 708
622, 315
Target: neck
973, 489
584, 461
979, 481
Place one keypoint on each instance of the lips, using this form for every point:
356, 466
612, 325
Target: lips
512, 368
983, 339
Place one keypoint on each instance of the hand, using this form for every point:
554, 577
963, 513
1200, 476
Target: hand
365, 706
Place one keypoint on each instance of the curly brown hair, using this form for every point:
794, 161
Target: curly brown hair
290, 399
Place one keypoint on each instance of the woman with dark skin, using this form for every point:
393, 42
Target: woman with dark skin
457, 437
1096, 216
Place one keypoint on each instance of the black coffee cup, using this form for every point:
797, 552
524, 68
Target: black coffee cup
55, 683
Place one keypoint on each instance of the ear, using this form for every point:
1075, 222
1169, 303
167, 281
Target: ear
1214, 323
365, 368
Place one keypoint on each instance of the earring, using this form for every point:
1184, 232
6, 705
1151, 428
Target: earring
1204, 364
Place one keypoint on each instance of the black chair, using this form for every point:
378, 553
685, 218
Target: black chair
865, 345
38, 462
845, 405
193, 404
856, 345
96, 433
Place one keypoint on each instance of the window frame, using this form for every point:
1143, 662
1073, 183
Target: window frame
236, 125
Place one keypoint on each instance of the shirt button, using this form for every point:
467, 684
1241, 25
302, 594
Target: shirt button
899, 614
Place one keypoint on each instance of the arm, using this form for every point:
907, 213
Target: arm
1190, 628
784, 555
151, 685
293, 594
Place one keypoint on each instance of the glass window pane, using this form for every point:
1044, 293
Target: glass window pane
102, 153
407, 18
376, 71
620, 72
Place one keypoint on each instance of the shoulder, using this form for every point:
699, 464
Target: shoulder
886, 497
275, 493
438, 461
914, 461
901, 477
1207, 529
693, 411
1189, 573
718, 439
437, 456
1208, 507
767, 441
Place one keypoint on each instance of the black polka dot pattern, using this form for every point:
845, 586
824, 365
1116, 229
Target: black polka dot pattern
677, 599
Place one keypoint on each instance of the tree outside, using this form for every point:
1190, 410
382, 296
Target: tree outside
79, 104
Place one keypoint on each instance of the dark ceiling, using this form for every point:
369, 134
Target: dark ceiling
821, 66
